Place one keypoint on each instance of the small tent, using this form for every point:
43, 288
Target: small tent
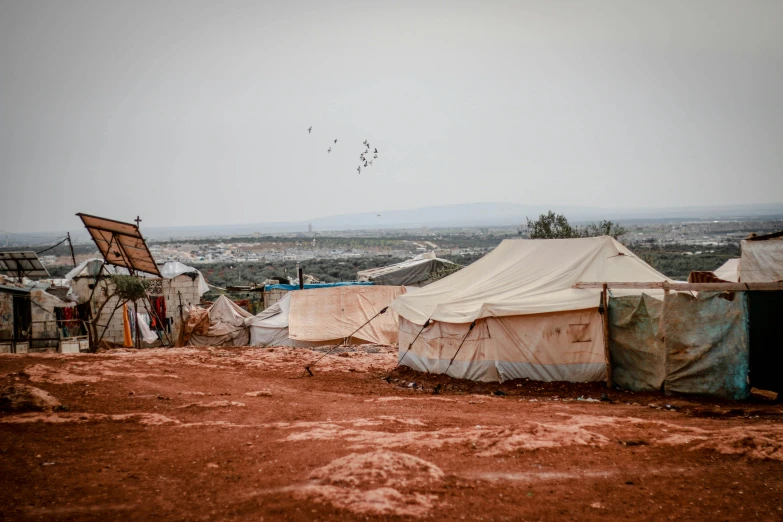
226, 325
529, 320
413, 272
327, 316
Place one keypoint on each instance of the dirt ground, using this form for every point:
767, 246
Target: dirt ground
245, 434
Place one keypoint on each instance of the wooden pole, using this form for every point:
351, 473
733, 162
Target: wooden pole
301, 277
607, 355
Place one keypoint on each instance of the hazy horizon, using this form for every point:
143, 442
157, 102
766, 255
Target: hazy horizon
194, 114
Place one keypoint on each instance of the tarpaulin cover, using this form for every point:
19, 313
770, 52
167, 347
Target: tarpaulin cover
270, 327
327, 314
761, 261
561, 346
170, 270
528, 276
226, 325
410, 272
637, 353
196, 323
312, 286
707, 344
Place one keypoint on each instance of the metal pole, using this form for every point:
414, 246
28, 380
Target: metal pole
73, 257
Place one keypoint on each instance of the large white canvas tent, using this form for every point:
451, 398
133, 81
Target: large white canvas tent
413, 272
530, 321
226, 325
327, 316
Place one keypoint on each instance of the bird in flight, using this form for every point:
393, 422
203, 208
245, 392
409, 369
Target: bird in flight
310, 129
376, 151
370, 162
359, 169
375, 156
329, 149
335, 140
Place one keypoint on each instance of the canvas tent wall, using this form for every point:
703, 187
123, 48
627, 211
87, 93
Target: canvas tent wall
226, 325
761, 259
530, 321
413, 272
327, 316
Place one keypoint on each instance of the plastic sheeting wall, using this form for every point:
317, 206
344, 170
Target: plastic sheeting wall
686, 344
636, 350
707, 344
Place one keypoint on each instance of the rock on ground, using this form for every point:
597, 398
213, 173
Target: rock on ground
19, 397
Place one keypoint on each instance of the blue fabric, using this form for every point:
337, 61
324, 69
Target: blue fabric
317, 285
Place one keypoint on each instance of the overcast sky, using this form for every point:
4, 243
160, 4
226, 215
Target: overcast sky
193, 112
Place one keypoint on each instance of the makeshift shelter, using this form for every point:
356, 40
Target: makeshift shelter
226, 325
529, 320
413, 272
179, 286
328, 316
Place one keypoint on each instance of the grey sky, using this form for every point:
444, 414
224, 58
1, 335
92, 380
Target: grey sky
196, 112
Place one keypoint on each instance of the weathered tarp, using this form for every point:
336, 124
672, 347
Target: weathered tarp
761, 261
226, 325
328, 314
637, 353
408, 273
707, 344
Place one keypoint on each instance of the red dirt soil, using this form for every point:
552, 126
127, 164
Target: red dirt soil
245, 434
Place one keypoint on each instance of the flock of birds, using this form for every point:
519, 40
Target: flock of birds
365, 158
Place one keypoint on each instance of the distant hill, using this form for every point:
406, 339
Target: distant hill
462, 215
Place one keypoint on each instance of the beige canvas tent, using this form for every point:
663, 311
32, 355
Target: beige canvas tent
530, 321
327, 316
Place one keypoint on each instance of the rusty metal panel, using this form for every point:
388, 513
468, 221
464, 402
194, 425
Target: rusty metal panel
637, 353
707, 344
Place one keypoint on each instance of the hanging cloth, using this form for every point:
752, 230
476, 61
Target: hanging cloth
127, 340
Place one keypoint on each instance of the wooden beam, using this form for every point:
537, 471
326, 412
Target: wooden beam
607, 355
698, 287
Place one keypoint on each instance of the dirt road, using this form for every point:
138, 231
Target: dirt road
241, 434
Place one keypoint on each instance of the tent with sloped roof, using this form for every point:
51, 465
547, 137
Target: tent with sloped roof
530, 321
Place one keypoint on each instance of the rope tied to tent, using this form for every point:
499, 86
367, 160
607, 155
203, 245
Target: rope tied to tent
307, 368
460, 346
425, 325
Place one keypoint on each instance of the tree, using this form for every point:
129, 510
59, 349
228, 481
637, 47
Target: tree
551, 226
556, 226
604, 228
